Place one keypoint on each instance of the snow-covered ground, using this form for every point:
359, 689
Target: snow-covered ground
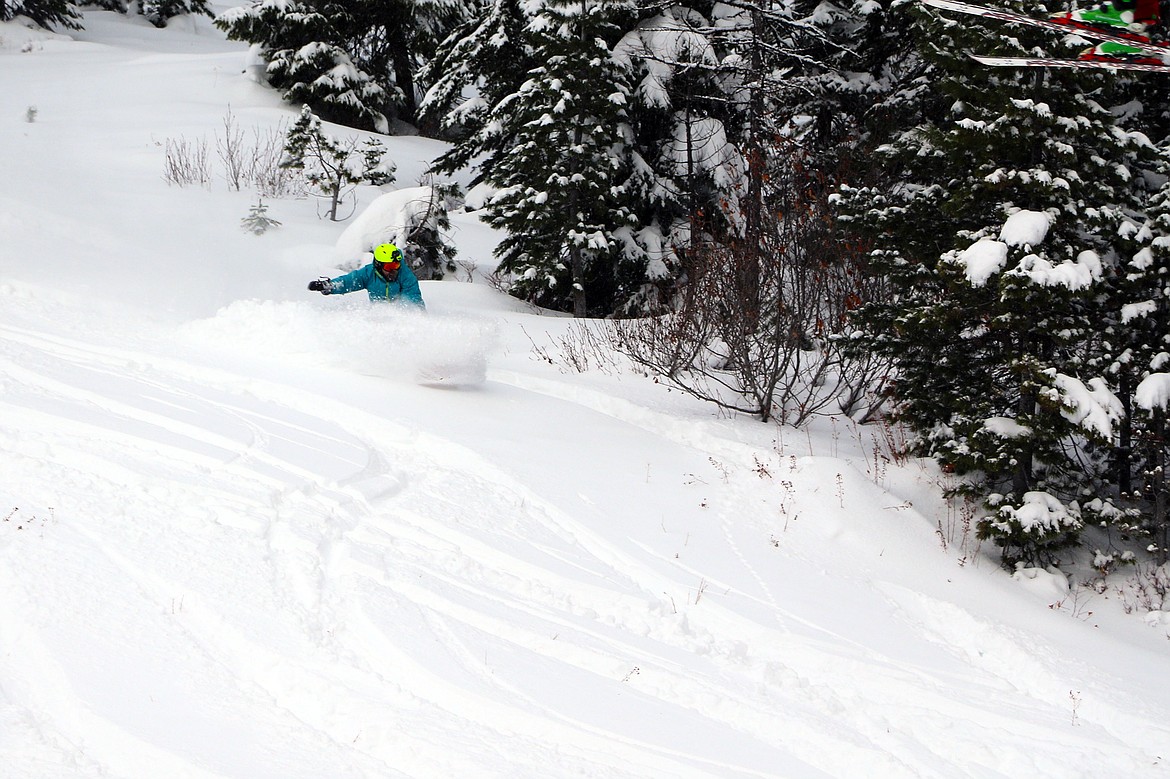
239, 539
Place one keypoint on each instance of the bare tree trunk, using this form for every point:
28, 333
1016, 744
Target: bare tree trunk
576, 258
749, 277
1160, 479
1124, 453
1022, 475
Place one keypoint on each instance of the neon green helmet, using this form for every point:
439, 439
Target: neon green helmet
387, 253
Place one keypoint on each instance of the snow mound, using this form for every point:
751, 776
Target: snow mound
1048, 584
1159, 620
23, 35
392, 218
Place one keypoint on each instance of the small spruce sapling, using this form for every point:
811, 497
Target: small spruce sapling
257, 221
378, 169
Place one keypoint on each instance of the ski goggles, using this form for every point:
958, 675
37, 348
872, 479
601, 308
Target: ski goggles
388, 266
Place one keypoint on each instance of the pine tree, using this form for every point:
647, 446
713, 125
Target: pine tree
156, 11
354, 62
672, 147
561, 186
477, 67
46, 13
997, 238
686, 168
1141, 363
258, 221
862, 82
1135, 332
305, 45
332, 167
431, 255
768, 56
159, 11
395, 39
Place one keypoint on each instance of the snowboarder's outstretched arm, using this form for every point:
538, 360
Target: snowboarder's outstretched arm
352, 281
342, 285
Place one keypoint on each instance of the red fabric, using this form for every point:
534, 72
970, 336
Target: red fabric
1143, 10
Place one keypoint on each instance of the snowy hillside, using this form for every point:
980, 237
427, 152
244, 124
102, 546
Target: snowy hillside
239, 538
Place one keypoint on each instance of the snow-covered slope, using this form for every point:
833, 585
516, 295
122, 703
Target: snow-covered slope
240, 539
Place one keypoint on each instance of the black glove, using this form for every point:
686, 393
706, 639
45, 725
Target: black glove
324, 286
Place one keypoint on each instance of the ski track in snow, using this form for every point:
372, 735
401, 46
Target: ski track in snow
388, 585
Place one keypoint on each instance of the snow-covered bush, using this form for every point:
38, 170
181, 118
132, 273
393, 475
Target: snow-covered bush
46, 13
1032, 529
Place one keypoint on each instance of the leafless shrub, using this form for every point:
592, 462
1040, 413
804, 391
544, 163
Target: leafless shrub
187, 162
1147, 590
264, 173
954, 527
230, 147
254, 165
466, 271
583, 347
759, 323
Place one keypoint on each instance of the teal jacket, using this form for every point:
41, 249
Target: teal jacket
404, 288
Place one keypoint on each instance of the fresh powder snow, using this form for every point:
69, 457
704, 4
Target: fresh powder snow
245, 536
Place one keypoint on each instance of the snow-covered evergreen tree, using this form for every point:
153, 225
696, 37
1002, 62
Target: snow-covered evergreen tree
768, 56
1141, 362
997, 235
394, 40
46, 13
686, 169
431, 254
156, 11
561, 193
159, 11
303, 44
258, 221
476, 67
678, 155
354, 62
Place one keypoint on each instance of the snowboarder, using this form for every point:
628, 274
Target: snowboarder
1126, 16
386, 278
